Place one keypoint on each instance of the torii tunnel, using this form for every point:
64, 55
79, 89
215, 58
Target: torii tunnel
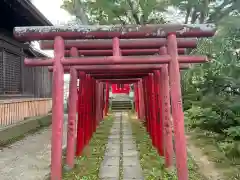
148, 56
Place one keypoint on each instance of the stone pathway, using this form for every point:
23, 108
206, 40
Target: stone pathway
121, 159
29, 158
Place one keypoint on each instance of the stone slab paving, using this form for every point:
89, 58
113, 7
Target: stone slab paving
131, 163
29, 158
117, 149
109, 169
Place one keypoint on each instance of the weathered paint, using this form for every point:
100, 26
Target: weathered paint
141, 100
136, 99
57, 110
165, 113
116, 48
124, 52
125, 44
72, 111
105, 32
153, 109
118, 77
106, 100
177, 111
159, 122
118, 68
81, 111
116, 60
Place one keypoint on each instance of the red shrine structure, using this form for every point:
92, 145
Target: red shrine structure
120, 88
102, 55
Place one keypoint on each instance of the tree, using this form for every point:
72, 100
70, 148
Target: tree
118, 11
206, 11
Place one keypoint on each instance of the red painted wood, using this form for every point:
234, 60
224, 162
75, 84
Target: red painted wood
153, 110
115, 60
177, 111
166, 115
125, 45
124, 90
57, 111
72, 111
159, 124
81, 120
119, 68
106, 100
124, 52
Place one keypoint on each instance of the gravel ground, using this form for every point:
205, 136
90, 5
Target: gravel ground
29, 158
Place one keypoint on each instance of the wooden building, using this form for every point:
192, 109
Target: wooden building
24, 92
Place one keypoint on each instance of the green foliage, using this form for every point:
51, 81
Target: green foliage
211, 91
233, 132
203, 117
118, 11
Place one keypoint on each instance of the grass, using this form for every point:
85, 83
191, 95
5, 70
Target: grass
88, 165
208, 143
152, 164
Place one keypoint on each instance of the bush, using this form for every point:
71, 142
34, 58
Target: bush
204, 118
233, 132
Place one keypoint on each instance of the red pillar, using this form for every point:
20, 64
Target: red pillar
159, 121
81, 120
87, 111
177, 111
136, 98
141, 100
97, 102
94, 104
91, 106
153, 109
148, 87
72, 111
57, 110
165, 112
106, 100
145, 102
149, 106
102, 100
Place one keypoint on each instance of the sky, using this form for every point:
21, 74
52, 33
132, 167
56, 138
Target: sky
51, 9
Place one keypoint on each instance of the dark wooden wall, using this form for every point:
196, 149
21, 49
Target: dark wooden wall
15, 78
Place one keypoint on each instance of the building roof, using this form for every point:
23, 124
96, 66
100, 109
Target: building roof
33, 52
33, 11
20, 13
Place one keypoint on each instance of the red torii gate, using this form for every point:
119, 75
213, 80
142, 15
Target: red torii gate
91, 90
120, 88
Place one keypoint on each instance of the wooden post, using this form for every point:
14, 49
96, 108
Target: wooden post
106, 100
141, 100
86, 104
136, 98
81, 121
72, 111
146, 103
57, 110
165, 112
153, 108
177, 110
159, 114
